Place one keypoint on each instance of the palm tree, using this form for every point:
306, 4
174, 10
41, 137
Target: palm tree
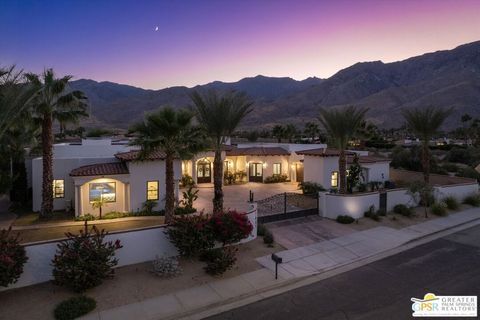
341, 125
290, 132
173, 133
15, 96
53, 101
278, 131
425, 123
311, 130
220, 115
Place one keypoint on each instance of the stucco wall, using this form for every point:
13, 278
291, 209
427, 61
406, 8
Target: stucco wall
119, 204
332, 205
379, 171
61, 170
459, 191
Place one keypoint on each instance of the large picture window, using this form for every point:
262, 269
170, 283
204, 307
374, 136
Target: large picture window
102, 190
58, 188
277, 169
334, 182
152, 190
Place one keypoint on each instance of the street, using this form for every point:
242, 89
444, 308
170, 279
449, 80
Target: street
382, 289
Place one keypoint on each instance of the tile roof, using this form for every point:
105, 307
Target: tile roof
258, 151
367, 159
323, 152
133, 155
100, 169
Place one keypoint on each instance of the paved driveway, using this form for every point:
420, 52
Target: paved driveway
237, 196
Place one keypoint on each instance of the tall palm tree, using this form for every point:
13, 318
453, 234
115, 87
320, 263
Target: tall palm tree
15, 96
311, 130
290, 132
51, 101
220, 115
278, 131
173, 133
341, 125
425, 123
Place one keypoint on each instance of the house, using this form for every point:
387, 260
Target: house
102, 169
321, 166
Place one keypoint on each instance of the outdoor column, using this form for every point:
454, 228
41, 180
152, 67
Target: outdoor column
78, 200
194, 170
126, 195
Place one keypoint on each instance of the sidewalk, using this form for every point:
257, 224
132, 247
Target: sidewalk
297, 264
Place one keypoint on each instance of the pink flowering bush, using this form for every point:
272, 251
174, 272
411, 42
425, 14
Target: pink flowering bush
84, 260
191, 234
12, 258
231, 227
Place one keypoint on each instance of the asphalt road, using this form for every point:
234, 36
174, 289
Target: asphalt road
382, 289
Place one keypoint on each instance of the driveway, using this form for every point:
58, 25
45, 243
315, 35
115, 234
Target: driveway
237, 196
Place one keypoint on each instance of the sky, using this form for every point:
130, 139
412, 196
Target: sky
201, 41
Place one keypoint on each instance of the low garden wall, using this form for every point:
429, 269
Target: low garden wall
139, 245
354, 205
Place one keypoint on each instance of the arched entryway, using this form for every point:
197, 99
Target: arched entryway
204, 171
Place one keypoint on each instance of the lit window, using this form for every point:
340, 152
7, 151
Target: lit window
58, 189
334, 179
277, 168
103, 190
152, 190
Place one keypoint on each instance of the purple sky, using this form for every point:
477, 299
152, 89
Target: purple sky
202, 41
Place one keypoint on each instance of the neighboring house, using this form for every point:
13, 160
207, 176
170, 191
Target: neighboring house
321, 166
102, 168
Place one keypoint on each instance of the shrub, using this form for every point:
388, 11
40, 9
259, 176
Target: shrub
261, 230
231, 227
308, 187
240, 175
370, 211
472, 200
345, 219
84, 260
191, 234
450, 167
276, 178
183, 210
219, 260
229, 177
166, 267
85, 217
468, 173
12, 258
381, 212
74, 308
148, 206
268, 238
403, 210
439, 209
187, 181
115, 215
189, 197
451, 203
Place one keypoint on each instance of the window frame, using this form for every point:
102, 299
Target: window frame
279, 164
158, 190
55, 189
93, 183
332, 179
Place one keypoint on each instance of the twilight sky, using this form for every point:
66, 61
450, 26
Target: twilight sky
200, 41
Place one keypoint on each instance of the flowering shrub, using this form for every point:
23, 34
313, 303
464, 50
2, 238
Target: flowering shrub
191, 234
83, 261
219, 260
231, 227
12, 258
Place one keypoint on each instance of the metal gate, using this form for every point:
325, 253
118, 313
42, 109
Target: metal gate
286, 205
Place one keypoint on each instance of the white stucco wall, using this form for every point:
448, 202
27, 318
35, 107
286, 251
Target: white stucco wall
61, 170
378, 171
333, 205
459, 191
319, 169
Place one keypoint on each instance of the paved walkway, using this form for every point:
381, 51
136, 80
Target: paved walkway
298, 263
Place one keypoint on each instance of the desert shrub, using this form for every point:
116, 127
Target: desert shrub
85, 217
450, 167
451, 202
148, 206
115, 215
370, 211
403, 210
381, 212
439, 209
166, 267
184, 210
186, 181
268, 238
468, 173
191, 234
219, 260
276, 178
308, 187
12, 258
345, 219
472, 200
230, 227
261, 230
84, 260
74, 308
189, 197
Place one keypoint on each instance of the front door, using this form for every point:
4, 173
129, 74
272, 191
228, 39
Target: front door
299, 171
255, 172
204, 169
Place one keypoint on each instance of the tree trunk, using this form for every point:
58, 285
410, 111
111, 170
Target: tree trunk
217, 182
47, 178
426, 175
342, 168
100, 211
169, 189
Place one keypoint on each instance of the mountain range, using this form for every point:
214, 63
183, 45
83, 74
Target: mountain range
449, 78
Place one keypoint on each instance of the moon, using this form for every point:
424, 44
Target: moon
156, 28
